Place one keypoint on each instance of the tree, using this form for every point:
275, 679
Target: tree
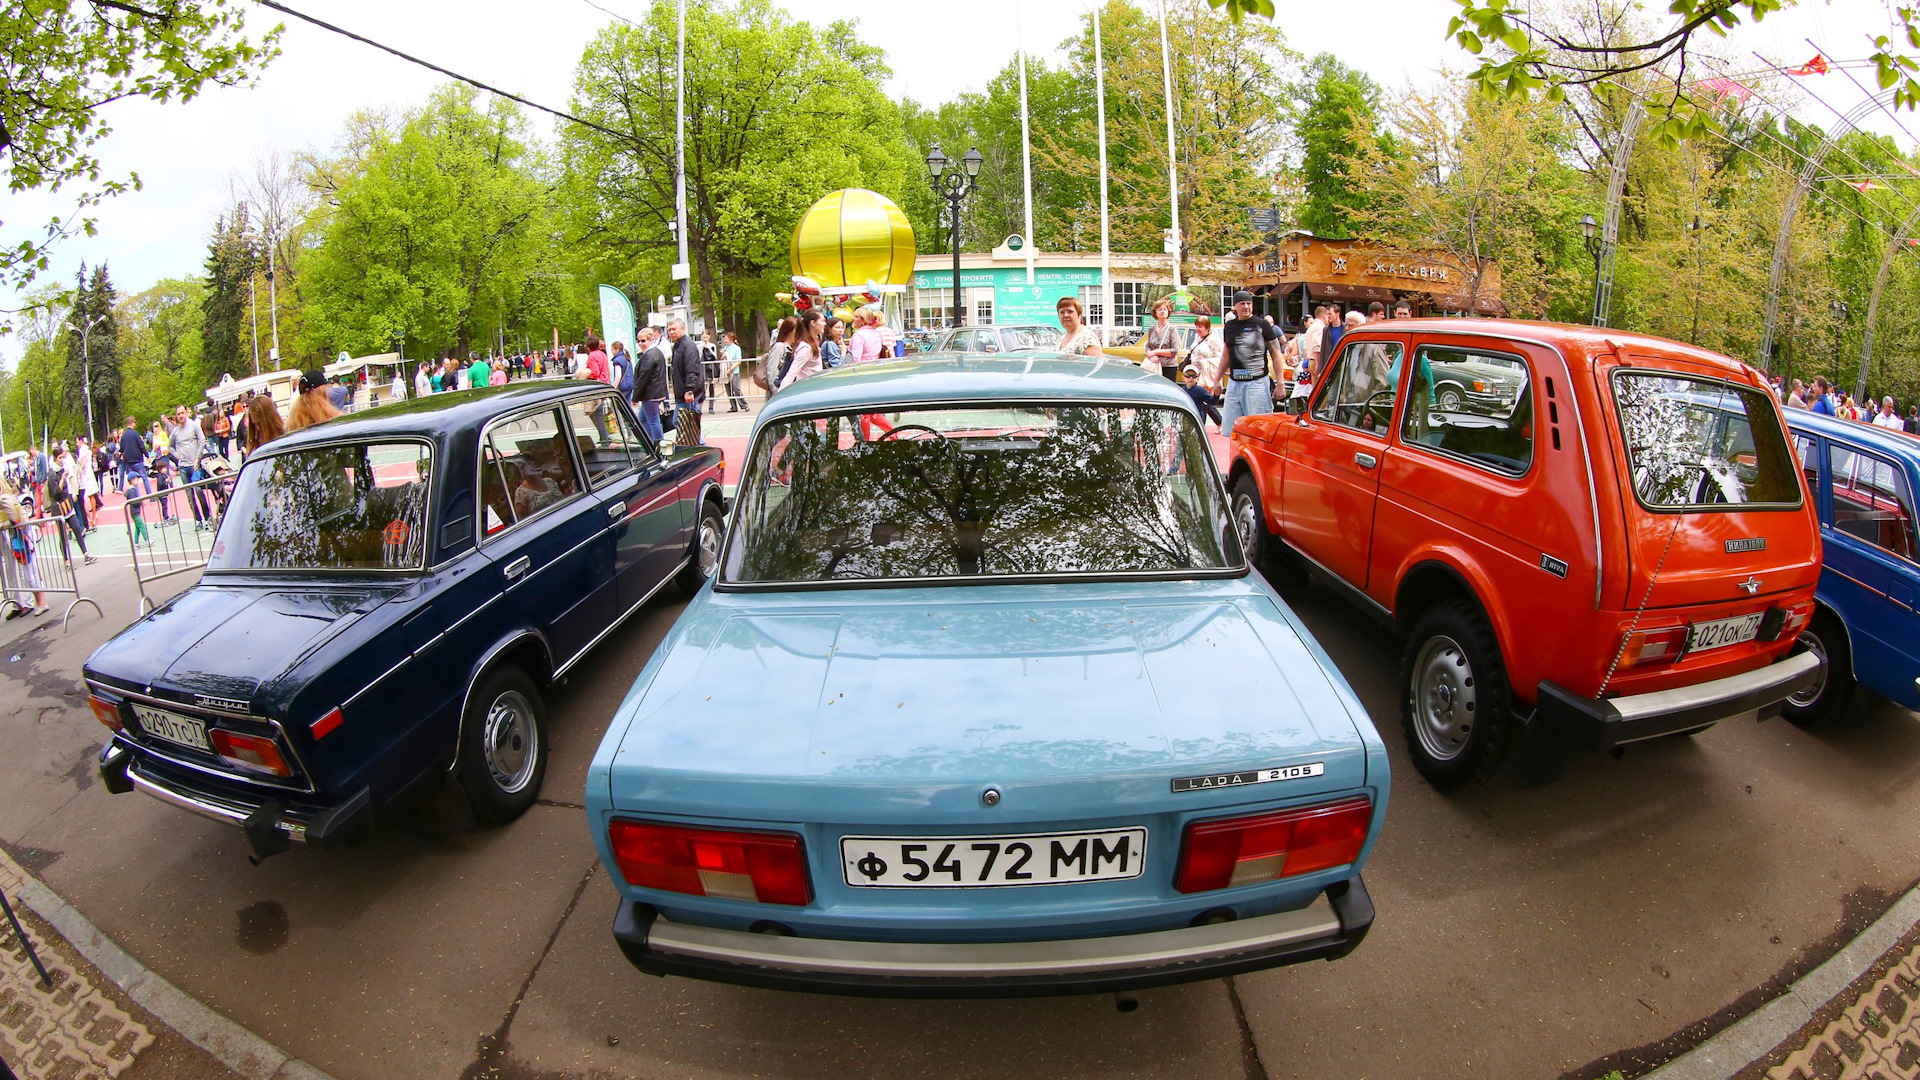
160, 346
1335, 117
61, 60
426, 243
779, 112
226, 302
93, 365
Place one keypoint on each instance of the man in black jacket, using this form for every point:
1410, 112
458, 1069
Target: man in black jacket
649, 383
689, 383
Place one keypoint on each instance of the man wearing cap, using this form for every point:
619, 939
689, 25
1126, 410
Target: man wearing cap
1250, 345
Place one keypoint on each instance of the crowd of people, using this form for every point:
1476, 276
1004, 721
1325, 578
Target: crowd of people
1825, 398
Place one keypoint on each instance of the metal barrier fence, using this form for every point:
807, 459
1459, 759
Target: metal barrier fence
36, 559
175, 527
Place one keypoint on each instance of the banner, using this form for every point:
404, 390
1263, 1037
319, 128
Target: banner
616, 317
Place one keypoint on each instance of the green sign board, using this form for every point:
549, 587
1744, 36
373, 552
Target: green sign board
1015, 301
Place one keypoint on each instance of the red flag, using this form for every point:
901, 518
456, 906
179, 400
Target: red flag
1726, 88
1815, 66
1865, 185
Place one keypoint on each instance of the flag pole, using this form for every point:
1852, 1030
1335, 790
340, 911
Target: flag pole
1173, 175
1106, 241
1026, 144
680, 171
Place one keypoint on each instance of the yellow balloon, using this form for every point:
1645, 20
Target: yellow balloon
851, 237
844, 314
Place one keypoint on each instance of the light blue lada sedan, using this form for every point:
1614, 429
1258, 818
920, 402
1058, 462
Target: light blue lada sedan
985, 700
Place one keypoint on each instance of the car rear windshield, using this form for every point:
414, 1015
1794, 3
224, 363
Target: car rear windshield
959, 493
348, 506
1696, 443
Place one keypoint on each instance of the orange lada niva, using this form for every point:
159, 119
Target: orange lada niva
1608, 541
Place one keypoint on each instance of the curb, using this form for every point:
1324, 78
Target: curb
1754, 1037
236, 1047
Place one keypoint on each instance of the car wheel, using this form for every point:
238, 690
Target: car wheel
1455, 703
1250, 521
706, 549
1450, 399
503, 746
1820, 703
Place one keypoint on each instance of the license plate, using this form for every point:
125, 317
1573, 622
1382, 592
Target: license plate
173, 727
1723, 632
979, 862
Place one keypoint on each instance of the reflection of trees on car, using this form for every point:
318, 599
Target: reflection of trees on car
1693, 443
1068, 490
326, 508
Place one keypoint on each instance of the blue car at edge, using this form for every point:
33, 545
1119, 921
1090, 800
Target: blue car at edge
1866, 627
387, 598
983, 699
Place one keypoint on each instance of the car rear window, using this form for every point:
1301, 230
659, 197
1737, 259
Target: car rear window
346, 506
962, 493
1702, 444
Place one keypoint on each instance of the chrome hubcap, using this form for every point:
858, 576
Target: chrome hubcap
511, 743
1444, 698
709, 546
1450, 400
1245, 517
1805, 698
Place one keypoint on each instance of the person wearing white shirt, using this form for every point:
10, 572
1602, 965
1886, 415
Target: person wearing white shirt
1889, 416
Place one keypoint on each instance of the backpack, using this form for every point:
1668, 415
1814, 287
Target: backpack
775, 360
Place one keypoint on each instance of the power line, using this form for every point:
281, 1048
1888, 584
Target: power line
429, 65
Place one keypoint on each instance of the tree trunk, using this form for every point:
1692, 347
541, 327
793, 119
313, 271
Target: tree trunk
707, 310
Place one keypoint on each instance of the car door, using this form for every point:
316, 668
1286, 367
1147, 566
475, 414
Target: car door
640, 503
1870, 552
542, 528
1331, 483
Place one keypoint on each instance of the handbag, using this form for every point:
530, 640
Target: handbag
686, 426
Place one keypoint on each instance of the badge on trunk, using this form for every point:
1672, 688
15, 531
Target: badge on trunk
1750, 543
1250, 776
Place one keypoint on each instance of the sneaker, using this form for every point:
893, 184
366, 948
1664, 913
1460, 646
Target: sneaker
14, 614
91, 559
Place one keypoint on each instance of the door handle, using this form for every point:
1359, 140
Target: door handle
616, 511
517, 567
1365, 461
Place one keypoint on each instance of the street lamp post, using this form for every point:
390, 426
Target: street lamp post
86, 367
954, 185
1588, 230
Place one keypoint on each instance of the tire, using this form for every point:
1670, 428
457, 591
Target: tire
706, 550
1820, 703
1250, 522
503, 746
1456, 707
1450, 399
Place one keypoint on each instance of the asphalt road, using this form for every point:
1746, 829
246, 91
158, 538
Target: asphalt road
1565, 929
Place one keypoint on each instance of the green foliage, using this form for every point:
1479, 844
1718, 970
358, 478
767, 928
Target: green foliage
431, 237
1335, 114
160, 344
60, 60
97, 365
226, 301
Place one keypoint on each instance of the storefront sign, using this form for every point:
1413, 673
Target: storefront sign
1381, 267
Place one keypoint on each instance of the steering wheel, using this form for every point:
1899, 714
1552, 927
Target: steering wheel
894, 432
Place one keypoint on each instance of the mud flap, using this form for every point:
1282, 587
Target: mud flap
1540, 758
264, 833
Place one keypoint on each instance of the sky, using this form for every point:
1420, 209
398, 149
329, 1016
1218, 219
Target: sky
190, 155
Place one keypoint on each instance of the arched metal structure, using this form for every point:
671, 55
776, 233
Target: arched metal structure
1900, 237
1610, 222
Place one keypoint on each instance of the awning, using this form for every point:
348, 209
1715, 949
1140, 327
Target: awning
1334, 290
342, 367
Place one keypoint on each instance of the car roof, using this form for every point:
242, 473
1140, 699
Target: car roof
962, 379
1885, 439
435, 415
1575, 341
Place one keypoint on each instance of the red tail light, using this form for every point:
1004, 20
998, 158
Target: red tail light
768, 867
1660, 645
250, 752
1797, 618
105, 711
1268, 847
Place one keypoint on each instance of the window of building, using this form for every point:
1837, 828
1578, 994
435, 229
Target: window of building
931, 308
1093, 303
983, 311
1225, 307
1129, 302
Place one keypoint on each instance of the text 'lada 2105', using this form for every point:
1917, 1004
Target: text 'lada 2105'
985, 700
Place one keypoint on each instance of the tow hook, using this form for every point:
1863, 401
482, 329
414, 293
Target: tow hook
265, 835
113, 769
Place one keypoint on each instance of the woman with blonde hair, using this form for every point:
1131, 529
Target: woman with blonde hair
1079, 339
312, 406
263, 423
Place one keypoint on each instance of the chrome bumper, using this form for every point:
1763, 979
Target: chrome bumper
270, 827
231, 813
1328, 928
1611, 722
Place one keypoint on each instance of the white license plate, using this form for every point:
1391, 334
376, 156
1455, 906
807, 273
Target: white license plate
173, 727
978, 862
1723, 632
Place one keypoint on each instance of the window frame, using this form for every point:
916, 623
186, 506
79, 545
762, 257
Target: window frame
1832, 474
749, 472
1619, 432
480, 536
1324, 386
1533, 442
430, 520
633, 427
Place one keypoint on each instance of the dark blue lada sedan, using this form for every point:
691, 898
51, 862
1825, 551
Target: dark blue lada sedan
386, 599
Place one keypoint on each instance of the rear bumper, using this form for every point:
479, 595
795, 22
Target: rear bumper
1328, 929
270, 826
1610, 722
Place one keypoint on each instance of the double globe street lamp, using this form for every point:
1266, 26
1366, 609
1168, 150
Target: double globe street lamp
954, 185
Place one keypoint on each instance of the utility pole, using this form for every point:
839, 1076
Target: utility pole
273, 304
86, 367
253, 294
1173, 158
682, 271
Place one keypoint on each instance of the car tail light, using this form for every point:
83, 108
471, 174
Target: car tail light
1660, 645
1267, 847
251, 752
107, 712
768, 867
1797, 617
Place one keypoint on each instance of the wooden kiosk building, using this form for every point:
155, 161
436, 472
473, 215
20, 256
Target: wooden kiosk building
1299, 271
